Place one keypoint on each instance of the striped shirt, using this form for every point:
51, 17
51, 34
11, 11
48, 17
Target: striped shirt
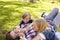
29, 34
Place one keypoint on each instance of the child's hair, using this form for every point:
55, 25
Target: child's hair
26, 14
41, 24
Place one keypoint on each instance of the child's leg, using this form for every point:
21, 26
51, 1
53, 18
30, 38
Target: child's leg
52, 14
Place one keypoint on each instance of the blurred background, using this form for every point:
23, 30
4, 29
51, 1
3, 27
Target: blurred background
11, 12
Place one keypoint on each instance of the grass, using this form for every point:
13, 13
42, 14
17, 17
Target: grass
11, 13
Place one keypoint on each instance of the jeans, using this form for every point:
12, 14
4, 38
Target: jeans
50, 18
58, 35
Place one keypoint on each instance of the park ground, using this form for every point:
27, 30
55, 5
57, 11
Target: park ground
11, 13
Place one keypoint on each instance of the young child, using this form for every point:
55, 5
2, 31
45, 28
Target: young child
26, 21
43, 31
29, 34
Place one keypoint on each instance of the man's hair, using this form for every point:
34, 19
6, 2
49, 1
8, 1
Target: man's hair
8, 37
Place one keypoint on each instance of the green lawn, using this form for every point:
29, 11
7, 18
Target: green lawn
11, 13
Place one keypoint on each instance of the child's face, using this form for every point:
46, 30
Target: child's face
35, 27
26, 19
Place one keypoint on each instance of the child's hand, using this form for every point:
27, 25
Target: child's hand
17, 29
22, 36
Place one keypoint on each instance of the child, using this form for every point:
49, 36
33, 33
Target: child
29, 34
43, 31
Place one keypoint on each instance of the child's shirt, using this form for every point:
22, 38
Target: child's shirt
29, 34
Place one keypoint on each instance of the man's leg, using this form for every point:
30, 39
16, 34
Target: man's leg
51, 17
52, 14
57, 20
58, 35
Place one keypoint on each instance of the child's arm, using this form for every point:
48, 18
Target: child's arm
27, 28
22, 30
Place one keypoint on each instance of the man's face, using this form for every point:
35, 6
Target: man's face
26, 19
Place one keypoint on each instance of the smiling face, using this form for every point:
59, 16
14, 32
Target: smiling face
26, 19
